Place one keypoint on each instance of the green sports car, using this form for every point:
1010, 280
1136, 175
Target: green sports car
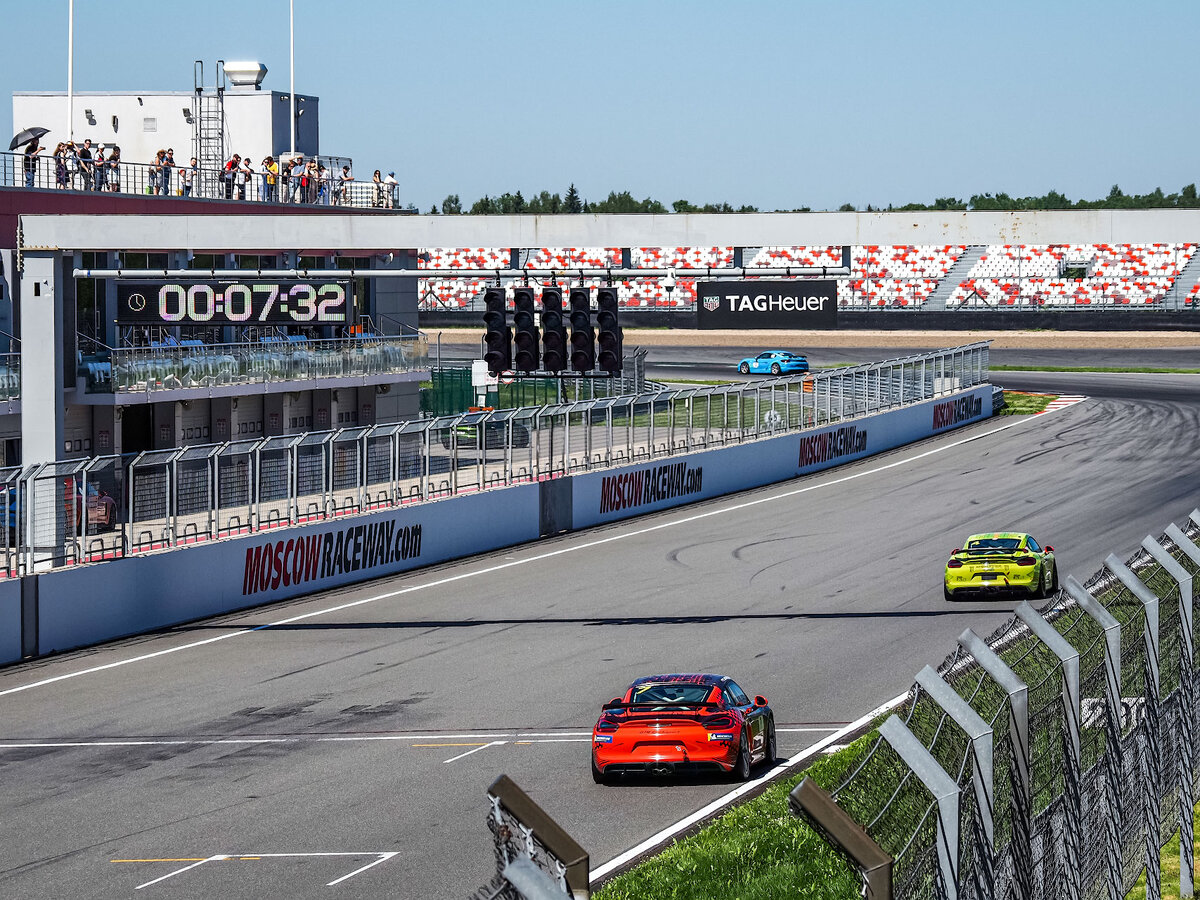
1003, 561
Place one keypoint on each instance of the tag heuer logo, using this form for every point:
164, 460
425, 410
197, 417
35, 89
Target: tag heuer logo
711, 303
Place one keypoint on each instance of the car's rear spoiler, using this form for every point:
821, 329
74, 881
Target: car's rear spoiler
658, 704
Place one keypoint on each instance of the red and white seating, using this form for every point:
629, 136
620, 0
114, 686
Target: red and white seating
1034, 275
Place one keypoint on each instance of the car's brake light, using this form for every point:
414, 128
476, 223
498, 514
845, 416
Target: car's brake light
607, 725
1026, 561
954, 564
721, 721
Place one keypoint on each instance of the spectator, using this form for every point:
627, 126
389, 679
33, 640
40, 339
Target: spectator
72, 157
230, 173
85, 164
378, 182
60, 166
241, 175
322, 185
391, 185
114, 169
100, 165
268, 170
187, 177
298, 180
343, 186
168, 164
156, 171
31, 162
310, 182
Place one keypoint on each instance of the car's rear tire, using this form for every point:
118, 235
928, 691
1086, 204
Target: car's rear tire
775, 370
1039, 592
1054, 580
598, 776
947, 593
744, 368
772, 747
741, 768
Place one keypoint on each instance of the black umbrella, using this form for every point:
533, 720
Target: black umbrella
29, 134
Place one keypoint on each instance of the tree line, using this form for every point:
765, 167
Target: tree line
624, 202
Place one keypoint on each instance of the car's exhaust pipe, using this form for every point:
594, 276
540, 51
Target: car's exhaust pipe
661, 769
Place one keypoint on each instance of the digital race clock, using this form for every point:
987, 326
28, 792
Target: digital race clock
233, 302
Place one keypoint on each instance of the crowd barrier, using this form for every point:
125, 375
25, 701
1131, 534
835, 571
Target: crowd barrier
665, 461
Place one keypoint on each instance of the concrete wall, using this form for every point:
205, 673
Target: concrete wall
10, 621
359, 234
256, 122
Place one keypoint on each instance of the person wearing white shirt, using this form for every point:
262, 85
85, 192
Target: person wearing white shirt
390, 185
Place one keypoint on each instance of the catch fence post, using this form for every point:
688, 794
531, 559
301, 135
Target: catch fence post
1018, 736
1186, 717
945, 793
1068, 658
811, 802
979, 733
1113, 767
1153, 755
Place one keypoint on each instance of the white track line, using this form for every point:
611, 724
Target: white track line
180, 871
656, 841
575, 548
476, 750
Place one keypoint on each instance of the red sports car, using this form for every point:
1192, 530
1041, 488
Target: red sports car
669, 722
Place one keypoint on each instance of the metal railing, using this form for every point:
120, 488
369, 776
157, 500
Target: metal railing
1055, 758
80, 511
193, 364
127, 177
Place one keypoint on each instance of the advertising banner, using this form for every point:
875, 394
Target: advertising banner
744, 305
614, 494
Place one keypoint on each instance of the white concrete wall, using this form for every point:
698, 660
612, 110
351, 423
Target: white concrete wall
256, 122
366, 233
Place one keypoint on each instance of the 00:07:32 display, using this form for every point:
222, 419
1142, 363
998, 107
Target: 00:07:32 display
325, 303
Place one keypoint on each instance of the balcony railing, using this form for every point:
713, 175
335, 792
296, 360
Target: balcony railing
212, 184
193, 364
10, 376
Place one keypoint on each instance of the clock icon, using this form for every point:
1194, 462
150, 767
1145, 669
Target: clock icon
137, 302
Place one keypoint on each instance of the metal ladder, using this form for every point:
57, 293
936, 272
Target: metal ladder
208, 130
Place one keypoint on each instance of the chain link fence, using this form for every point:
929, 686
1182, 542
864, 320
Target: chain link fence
1066, 739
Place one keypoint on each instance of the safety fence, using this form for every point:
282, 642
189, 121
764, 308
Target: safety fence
90, 510
192, 363
1054, 758
325, 187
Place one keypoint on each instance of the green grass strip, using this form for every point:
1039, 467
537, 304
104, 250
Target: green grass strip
1169, 855
1025, 404
1147, 370
757, 850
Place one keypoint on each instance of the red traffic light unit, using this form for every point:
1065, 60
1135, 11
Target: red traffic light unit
608, 332
525, 336
497, 336
583, 338
554, 335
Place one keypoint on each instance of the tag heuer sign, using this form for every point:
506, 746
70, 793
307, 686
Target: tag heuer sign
766, 304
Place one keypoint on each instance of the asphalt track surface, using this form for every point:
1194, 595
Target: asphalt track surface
234, 756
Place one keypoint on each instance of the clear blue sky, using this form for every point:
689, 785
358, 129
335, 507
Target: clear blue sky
772, 103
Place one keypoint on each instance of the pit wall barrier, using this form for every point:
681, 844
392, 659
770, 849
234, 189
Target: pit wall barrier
79, 607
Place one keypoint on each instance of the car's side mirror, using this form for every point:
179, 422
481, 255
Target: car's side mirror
760, 700
956, 550
615, 700
1049, 549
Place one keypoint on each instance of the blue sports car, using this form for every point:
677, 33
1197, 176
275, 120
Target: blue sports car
777, 362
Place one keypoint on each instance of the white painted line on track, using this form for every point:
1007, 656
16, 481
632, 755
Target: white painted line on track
551, 554
656, 841
383, 857
476, 750
180, 871
533, 737
814, 728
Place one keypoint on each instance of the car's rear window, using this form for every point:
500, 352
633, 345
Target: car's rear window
994, 544
683, 694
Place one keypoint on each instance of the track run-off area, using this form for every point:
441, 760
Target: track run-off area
341, 745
